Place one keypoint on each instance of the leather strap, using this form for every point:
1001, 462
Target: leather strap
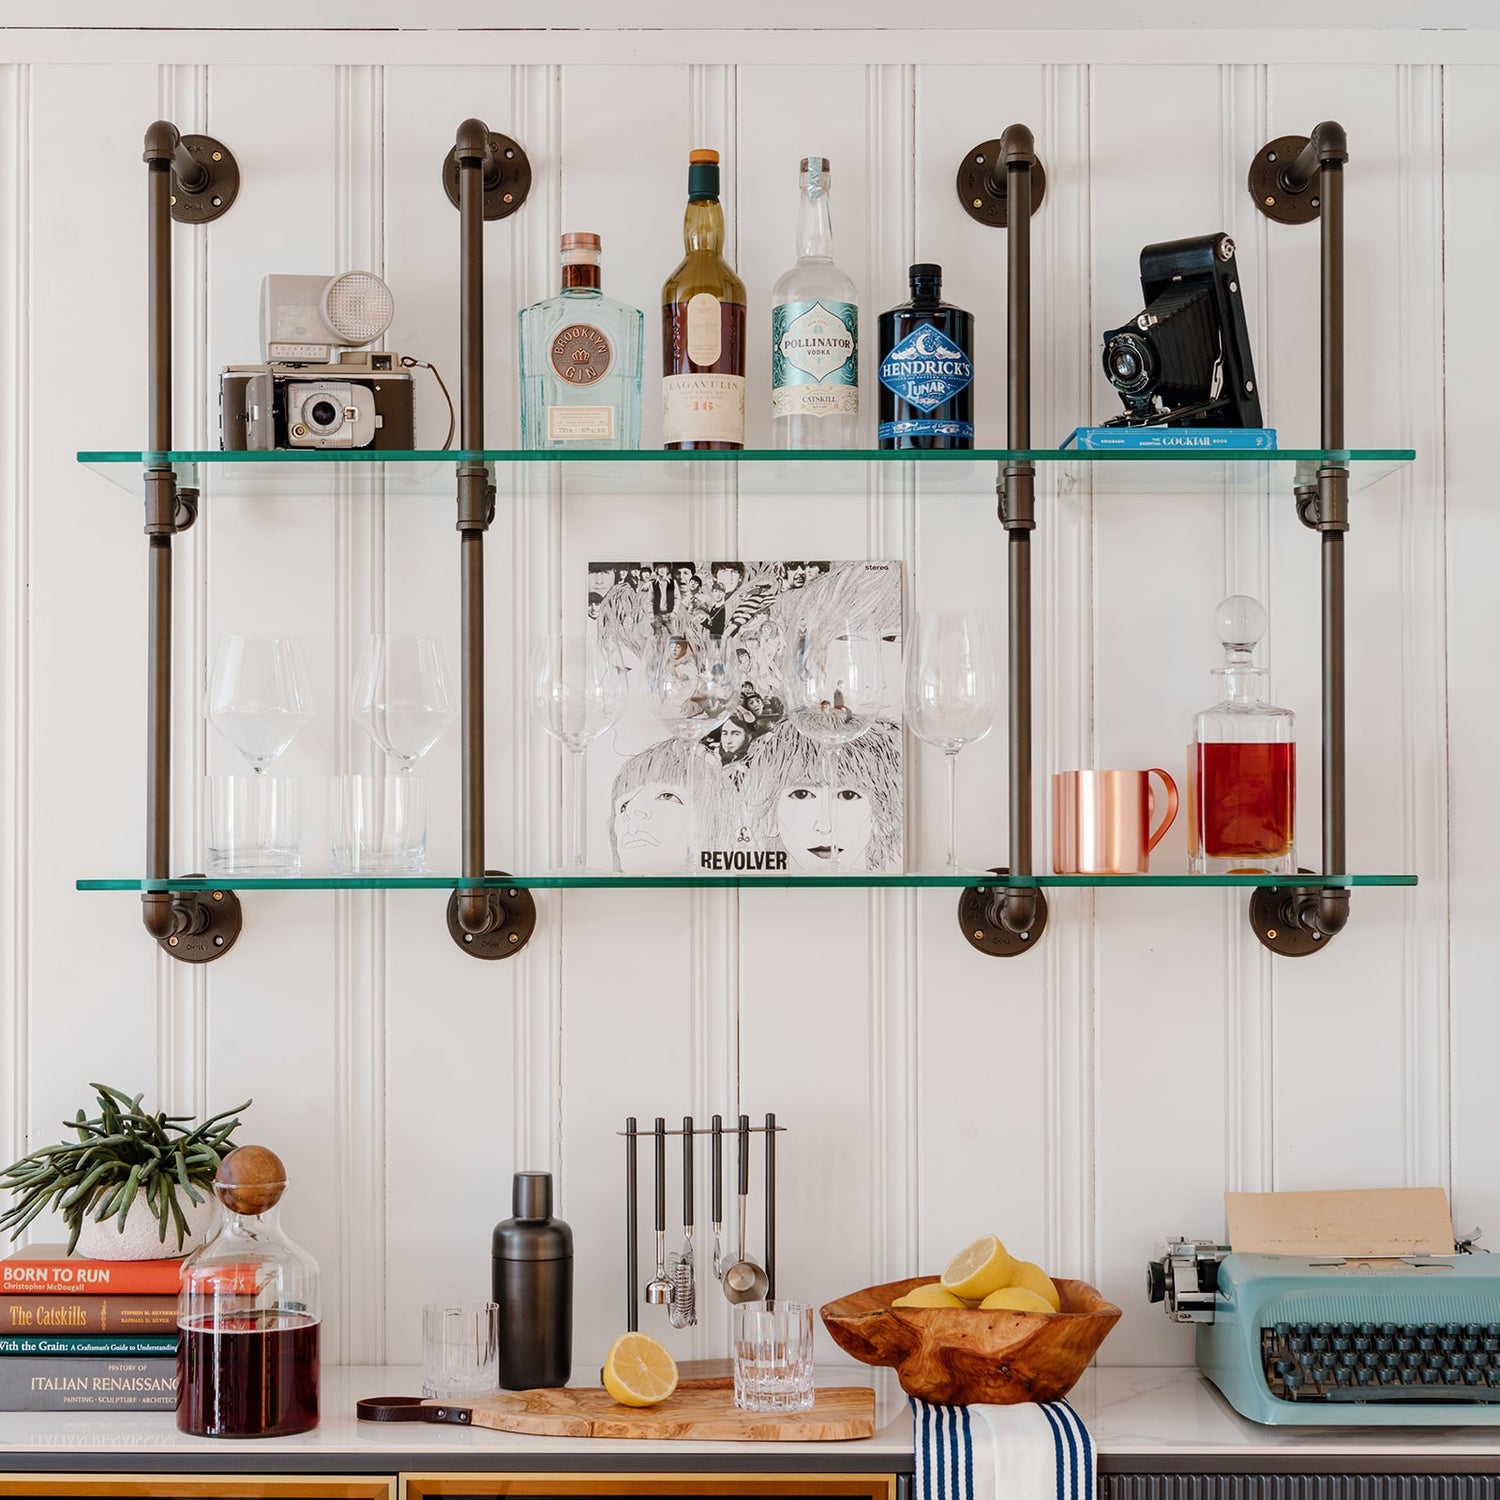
411, 1409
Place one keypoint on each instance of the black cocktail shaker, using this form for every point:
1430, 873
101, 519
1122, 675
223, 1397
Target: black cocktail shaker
531, 1260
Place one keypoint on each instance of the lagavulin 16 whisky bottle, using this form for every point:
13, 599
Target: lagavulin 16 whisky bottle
703, 326
580, 361
926, 369
1242, 762
814, 333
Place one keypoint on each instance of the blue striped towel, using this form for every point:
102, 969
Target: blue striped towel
1027, 1451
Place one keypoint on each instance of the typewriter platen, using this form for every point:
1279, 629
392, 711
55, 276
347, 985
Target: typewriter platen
1328, 1340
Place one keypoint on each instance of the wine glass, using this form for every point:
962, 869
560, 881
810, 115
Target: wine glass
692, 683
834, 684
403, 697
578, 687
950, 692
258, 695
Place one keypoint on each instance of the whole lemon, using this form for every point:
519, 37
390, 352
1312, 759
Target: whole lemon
931, 1295
1028, 1274
1016, 1299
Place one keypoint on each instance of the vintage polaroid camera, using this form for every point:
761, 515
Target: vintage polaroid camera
1185, 360
315, 389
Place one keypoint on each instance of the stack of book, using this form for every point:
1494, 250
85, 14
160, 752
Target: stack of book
87, 1335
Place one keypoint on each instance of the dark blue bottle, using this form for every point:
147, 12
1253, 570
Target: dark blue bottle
926, 369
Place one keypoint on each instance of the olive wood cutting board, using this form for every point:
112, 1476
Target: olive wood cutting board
700, 1410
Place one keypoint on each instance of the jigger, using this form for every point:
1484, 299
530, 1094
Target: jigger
659, 1289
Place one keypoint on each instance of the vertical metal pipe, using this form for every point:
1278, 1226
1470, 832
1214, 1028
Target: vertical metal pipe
632, 1317
473, 908
1331, 222
159, 558
1020, 480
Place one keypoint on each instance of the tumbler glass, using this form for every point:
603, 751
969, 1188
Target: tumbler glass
773, 1356
379, 824
254, 825
460, 1348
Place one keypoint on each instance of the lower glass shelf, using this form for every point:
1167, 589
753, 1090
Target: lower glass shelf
915, 879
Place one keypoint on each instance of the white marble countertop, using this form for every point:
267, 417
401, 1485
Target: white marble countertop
1137, 1413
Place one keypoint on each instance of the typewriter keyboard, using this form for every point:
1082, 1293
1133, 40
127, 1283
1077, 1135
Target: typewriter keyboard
1415, 1362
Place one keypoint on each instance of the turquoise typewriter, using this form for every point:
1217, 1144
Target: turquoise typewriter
1326, 1340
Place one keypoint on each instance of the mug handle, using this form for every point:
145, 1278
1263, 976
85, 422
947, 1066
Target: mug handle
1166, 822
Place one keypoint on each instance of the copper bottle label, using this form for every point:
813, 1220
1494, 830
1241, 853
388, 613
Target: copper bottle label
581, 354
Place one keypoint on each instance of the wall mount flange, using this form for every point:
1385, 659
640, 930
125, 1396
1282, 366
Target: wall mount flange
506, 182
512, 921
1279, 917
208, 200
1274, 196
207, 924
979, 919
981, 189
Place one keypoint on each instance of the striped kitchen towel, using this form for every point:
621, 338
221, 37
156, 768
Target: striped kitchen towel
1027, 1451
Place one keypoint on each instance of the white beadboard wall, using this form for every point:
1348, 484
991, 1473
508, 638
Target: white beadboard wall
1084, 1101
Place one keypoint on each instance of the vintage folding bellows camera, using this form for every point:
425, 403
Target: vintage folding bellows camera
315, 389
1184, 361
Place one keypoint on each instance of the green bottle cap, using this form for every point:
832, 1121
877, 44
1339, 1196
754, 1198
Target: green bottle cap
703, 175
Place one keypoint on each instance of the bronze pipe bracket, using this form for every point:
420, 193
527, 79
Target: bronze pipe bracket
193, 926
507, 918
1295, 921
981, 180
1283, 177
1002, 921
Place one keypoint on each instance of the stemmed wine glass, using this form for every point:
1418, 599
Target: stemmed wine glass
950, 692
834, 684
258, 695
578, 688
403, 697
692, 683
258, 698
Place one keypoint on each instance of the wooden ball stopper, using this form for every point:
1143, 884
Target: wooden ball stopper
250, 1180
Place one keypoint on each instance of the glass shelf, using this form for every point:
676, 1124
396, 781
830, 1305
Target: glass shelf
750, 471
735, 882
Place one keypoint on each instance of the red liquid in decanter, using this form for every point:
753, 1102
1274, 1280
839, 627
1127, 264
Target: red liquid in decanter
259, 1380
1247, 797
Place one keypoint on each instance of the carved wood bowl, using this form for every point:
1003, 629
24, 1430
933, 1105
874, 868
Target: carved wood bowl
960, 1356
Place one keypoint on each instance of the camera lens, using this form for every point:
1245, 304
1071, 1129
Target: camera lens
323, 413
1128, 362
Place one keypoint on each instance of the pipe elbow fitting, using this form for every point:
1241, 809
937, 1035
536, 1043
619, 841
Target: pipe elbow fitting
1330, 141
472, 142
475, 914
1017, 144
159, 914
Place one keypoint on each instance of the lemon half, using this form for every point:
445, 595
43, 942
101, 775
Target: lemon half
978, 1269
638, 1371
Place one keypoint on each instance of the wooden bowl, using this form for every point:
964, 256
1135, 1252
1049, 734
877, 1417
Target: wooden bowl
959, 1356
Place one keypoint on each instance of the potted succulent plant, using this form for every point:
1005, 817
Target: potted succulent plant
127, 1180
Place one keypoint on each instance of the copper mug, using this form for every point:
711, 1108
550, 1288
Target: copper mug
1101, 821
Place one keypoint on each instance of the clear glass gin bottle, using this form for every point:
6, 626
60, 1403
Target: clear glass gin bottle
580, 361
1242, 763
814, 333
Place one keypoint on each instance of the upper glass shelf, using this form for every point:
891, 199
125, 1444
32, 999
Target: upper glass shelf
595, 881
651, 471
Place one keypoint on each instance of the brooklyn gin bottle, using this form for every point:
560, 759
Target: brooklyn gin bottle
926, 369
814, 333
703, 326
580, 361
1242, 763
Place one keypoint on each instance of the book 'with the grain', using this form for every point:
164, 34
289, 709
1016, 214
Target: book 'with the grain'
86, 1344
89, 1384
49, 1268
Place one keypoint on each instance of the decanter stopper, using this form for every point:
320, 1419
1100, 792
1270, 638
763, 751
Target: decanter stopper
1240, 621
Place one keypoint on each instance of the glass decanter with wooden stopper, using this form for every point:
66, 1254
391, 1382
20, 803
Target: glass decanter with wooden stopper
1242, 762
248, 1314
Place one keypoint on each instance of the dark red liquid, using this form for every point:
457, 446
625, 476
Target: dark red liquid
1245, 800
244, 1377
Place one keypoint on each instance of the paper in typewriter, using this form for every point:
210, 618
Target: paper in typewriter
1366, 1223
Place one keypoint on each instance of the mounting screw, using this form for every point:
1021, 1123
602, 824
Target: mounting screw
218, 156
218, 895
1270, 156
979, 934
468, 937
172, 941
1270, 203
1317, 203
218, 942
1271, 933
511, 937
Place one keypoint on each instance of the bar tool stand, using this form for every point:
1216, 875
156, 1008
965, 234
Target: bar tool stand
741, 1134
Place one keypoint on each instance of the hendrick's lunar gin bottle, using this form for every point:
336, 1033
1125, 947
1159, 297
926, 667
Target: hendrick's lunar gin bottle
926, 369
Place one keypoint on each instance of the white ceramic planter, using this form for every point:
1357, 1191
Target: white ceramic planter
139, 1239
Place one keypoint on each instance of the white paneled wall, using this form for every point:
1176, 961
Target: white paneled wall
1084, 1101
